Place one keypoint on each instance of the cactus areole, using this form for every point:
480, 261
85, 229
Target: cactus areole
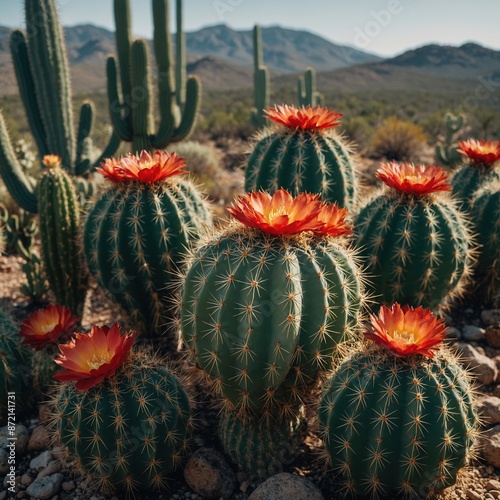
266, 302
398, 416
302, 153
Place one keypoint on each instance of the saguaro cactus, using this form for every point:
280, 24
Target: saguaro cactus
132, 114
446, 152
306, 89
42, 74
262, 85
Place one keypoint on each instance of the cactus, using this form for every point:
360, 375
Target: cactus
306, 89
59, 234
135, 236
483, 166
41, 68
486, 209
446, 152
415, 243
35, 287
301, 156
132, 115
15, 369
20, 231
399, 424
262, 81
129, 427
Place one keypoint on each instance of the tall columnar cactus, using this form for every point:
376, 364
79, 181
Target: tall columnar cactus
128, 421
132, 114
306, 89
261, 81
483, 166
139, 229
415, 243
59, 234
399, 419
15, 369
486, 209
41, 68
303, 154
446, 152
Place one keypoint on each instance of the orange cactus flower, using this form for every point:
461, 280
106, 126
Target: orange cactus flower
304, 118
47, 326
332, 221
278, 214
419, 180
52, 161
480, 152
145, 168
90, 358
405, 330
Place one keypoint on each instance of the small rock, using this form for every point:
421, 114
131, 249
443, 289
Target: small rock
490, 409
471, 332
41, 461
209, 475
68, 486
26, 479
473, 495
22, 437
3, 495
4, 461
490, 442
285, 486
40, 439
493, 484
44, 414
59, 452
491, 316
45, 487
53, 467
453, 333
482, 366
492, 336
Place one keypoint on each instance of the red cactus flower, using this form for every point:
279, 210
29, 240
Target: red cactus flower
145, 168
90, 358
418, 180
481, 152
278, 214
47, 326
304, 118
332, 221
52, 161
405, 330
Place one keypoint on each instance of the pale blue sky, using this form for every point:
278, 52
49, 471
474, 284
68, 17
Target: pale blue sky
386, 27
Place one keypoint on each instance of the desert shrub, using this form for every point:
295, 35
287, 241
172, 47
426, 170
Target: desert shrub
398, 140
358, 130
201, 159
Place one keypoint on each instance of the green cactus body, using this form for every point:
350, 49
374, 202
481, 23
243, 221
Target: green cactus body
302, 161
486, 210
263, 315
131, 430
306, 89
59, 234
446, 152
396, 425
135, 237
262, 446
416, 249
15, 369
468, 179
262, 81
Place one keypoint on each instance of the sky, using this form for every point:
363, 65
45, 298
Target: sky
384, 27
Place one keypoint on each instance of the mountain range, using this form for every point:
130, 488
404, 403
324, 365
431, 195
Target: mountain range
223, 58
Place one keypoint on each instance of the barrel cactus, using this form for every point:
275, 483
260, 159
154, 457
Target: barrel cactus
483, 166
122, 414
138, 230
59, 234
486, 208
399, 416
303, 154
414, 241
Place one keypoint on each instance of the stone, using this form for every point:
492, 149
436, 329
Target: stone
453, 333
53, 467
491, 317
41, 461
490, 409
285, 486
208, 474
4, 461
26, 479
44, 414
492, 336
45, 487
473, 495
40, 439
483, 367
471, 332
22, 437
490, 446
68, 486
493, 484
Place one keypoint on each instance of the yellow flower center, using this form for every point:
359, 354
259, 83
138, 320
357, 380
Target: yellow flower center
414, 178
97, 360
407, 337
48, 327
276, 213
146, 165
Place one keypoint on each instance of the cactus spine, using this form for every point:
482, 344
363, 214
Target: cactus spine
306, 89
59, 234
262, 85
132, 114
398, 425
131, 430
446, 152
41, 68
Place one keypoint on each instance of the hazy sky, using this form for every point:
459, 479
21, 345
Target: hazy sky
386, 27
